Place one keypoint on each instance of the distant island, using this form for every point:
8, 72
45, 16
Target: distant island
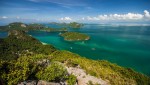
75, 36
75, 25
30, 27
71, 24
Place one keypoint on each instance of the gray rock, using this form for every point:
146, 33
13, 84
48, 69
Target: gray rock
40, 82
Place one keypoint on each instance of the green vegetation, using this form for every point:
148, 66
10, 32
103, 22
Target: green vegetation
71, 24
90, 83
14, 26
115, 74
75, 36
75, 25
53, 72
35, 27
71, 80
30, 67
25, 58
15, 71
18, 44
29, 27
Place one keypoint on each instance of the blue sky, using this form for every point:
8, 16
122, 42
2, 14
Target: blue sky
91, 11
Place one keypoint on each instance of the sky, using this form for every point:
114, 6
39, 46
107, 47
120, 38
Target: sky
85, 11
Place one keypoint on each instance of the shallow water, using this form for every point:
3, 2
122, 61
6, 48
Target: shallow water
128, 46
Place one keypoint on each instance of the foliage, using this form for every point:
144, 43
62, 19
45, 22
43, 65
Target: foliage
16, 71
71, 80
90, 83
54, 72
70, 63
115, 74
30, 67
21, 44
74, 36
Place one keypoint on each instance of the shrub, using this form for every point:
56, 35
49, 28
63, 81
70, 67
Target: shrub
71, 63
54, 72
71, 80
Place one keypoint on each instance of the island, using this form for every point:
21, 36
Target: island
55, 29
70, 25
75, 36
14, 26
75, 25
25, 60
30, 27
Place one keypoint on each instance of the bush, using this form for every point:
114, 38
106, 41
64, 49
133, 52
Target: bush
54, 72
71, 63
71, 80
16, 71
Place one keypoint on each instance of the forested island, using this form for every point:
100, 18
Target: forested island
24, 60
71, 24
30, 27
75, 36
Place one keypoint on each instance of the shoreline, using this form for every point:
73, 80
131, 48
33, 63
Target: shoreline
44, 43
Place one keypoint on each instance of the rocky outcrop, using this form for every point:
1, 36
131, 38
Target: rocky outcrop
15, 32
40, 82
83, 78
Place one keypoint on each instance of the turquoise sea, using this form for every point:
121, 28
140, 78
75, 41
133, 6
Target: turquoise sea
127, 46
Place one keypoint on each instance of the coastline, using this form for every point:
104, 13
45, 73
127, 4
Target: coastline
44, 43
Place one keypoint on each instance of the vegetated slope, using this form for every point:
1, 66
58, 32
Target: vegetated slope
117, 75
44, 62
18, 43
74, 36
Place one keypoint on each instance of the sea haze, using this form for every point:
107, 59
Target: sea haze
128, 46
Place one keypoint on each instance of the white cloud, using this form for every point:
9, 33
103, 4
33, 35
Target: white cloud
83, 18
147, 15
4, 17
65, 19
120, 17
17, 17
